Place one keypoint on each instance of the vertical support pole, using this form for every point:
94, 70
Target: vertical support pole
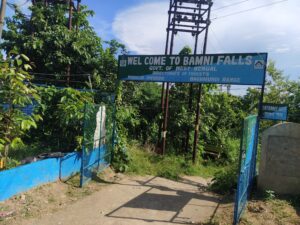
260, 107
83, 148
236, 204
2, 15
187, 134
164, 84
100, 138
164, 133
187, 139
166, 103
197, 121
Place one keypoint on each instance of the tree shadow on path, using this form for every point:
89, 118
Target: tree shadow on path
182, 202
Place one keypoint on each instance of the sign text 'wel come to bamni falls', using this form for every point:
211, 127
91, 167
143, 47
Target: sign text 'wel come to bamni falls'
243, 69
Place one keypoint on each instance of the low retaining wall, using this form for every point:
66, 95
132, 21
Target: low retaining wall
26, 177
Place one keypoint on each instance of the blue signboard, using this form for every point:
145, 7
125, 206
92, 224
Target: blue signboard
274, 112
240, 69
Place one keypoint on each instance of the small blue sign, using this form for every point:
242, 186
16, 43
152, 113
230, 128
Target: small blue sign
274, 112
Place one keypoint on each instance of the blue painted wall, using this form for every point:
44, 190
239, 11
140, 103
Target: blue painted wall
92, 160
26, 177
70, 165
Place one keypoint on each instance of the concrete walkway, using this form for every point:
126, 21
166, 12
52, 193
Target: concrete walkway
138, 201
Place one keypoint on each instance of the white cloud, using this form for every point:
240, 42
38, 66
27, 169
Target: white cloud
102, 28
282, 50
142, 28
274, 29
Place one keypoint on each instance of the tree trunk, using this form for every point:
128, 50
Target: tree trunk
6, 150
2, 15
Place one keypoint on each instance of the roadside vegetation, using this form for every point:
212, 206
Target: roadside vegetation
144, 161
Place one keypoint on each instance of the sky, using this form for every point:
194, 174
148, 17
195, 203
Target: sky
141, 26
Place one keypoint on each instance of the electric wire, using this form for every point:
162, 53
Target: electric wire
230, 5
61, 75
248, 10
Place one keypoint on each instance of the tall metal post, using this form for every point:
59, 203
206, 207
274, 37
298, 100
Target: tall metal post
189, 16
187, 138
197, 121
260, 111
166, 105
160, 134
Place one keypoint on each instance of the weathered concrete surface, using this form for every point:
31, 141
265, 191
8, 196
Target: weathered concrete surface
139, 201
279, 169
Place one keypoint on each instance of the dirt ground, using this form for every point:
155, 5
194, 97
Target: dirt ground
258, 212
115, 199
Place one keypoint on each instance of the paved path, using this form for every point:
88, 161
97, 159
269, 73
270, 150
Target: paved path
139, 201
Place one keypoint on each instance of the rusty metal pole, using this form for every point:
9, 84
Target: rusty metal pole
197, 121
164, 84
166, 110
191, 86
164, 133
187, 133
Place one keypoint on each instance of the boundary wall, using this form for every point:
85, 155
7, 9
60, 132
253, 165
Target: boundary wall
26, 177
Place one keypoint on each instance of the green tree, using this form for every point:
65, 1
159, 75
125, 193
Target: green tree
45, 38
63, 113
16, 92
279, 90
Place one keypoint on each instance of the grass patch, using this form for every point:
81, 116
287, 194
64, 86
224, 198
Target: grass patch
144, 162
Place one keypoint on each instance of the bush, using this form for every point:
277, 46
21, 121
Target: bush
63, 113
120, 156
143, 161
225, 181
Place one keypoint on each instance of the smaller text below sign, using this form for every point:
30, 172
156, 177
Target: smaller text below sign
243, 69
274, 112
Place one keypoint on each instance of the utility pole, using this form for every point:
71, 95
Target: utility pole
160, 134
166, 101
187, 16
197, 121
2, 15
187, 138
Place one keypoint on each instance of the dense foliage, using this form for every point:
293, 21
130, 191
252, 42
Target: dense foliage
16, 92
63, 113
54, 48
